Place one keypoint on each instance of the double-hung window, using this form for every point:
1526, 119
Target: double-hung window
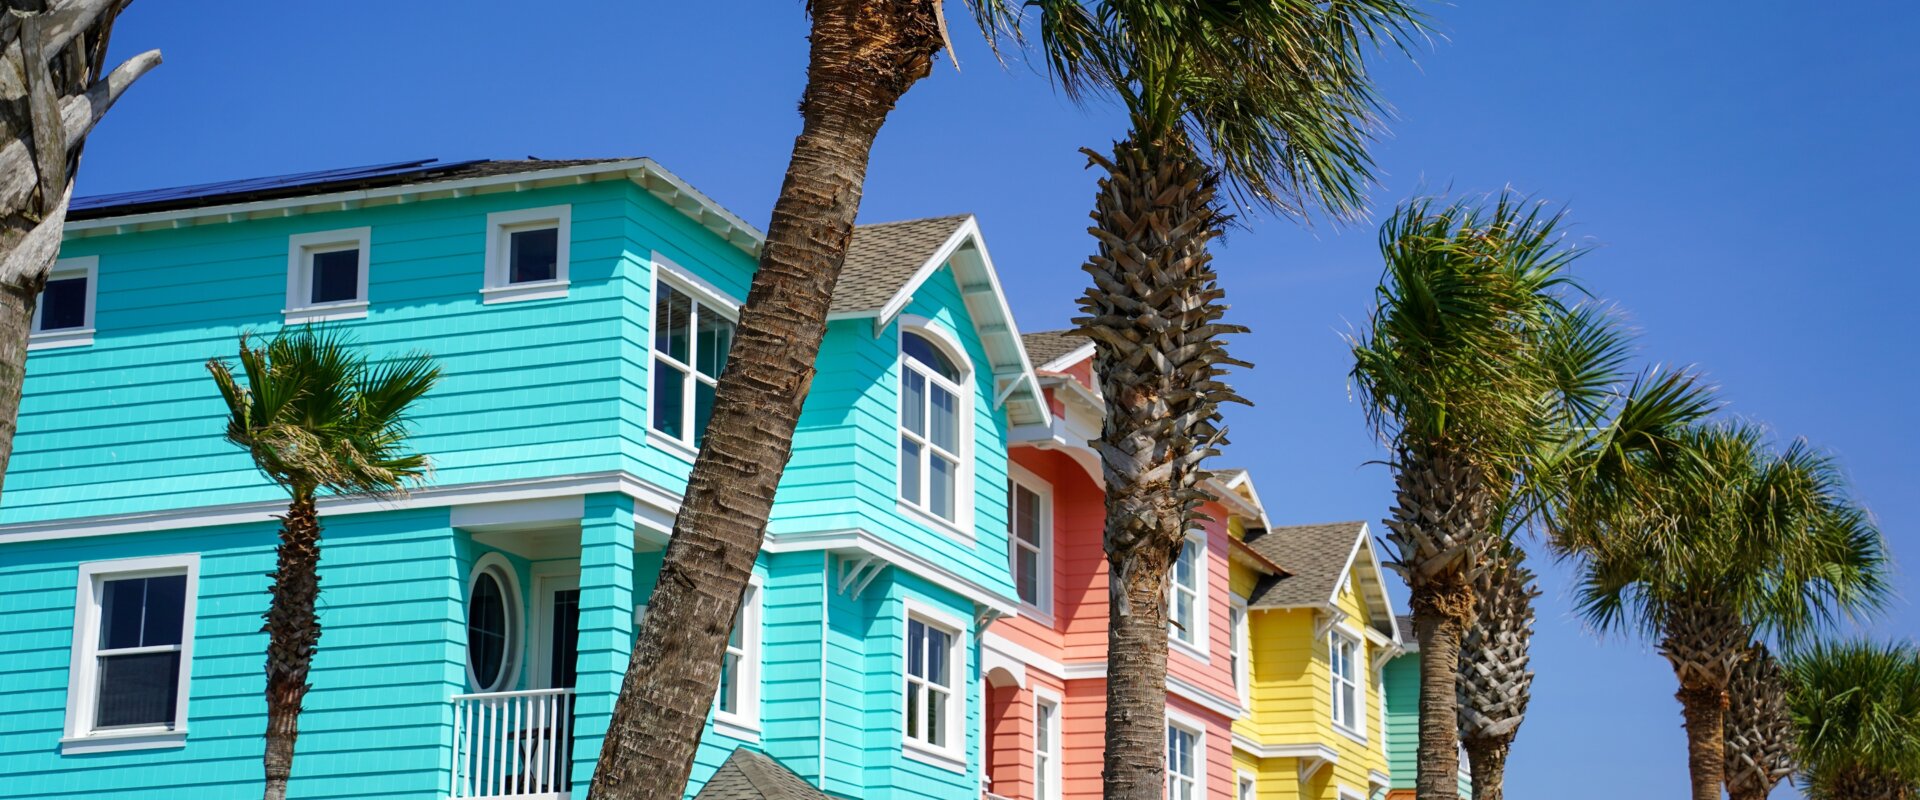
1239, 661
527, 254
327, 275
1031, 524
1343, 654
739, 699
932, 428
1046, 749
1186, 598
63, 317
690, 342
1183, 762
933, 687
132, 648
1244, 788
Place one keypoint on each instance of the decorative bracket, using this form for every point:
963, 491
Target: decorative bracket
857, 572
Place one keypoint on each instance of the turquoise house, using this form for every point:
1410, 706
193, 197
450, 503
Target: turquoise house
476, 630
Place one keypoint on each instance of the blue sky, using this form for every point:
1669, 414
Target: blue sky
1745, 169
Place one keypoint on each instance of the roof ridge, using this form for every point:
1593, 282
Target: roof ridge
942, 218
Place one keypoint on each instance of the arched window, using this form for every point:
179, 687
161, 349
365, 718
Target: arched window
493, 625
934, 409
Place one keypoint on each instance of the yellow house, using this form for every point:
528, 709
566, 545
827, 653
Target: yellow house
1312, 629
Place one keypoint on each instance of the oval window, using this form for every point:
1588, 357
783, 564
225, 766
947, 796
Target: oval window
489, 631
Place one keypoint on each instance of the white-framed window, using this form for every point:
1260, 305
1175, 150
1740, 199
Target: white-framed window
1046, 747
132, 654
692, 333
327, 275
1030, 530
1186, 758
1343, 657
63, 317
738, 702
1244, 787
527, 254
495, 629
1241, 658
935, 691
1187, 597
936, 415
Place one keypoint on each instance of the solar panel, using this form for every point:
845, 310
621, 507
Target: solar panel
180, 194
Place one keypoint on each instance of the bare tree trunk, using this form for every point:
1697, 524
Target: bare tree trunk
1439, 624
865, 55
52, 93
1153, 313
1705, 711
293, 633
1488, 760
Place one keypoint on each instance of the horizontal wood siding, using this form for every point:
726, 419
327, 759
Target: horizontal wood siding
377, 723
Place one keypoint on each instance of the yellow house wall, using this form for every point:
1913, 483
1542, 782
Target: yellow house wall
1291, 703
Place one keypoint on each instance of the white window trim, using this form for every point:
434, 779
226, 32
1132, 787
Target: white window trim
745, 723
703, 292
301, 248
496, 289
961, 526
1197, 727
81, 266
1244, 778
1054, 789
953, 755
1042, 609
1349, 793
83, 685
1242, 653
516, 622
1196, 649
1356, 728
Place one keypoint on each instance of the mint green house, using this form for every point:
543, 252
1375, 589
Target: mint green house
476, 631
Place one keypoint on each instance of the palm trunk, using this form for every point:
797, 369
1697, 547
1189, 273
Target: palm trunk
1488, 760
17, 299
1438, 774
1153, 313
293, 632
1705, 711
865, 55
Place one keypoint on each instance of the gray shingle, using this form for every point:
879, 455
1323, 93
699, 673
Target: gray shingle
1045, 346
882, 257
1315, 557
752, 775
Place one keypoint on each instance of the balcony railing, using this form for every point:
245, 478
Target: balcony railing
513, 744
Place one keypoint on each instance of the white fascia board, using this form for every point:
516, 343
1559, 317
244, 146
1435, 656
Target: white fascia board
866, 542
1074, 356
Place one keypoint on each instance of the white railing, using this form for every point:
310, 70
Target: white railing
513, 744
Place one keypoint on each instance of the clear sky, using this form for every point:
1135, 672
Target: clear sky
1747, 169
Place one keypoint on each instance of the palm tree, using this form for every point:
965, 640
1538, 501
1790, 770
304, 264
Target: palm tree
1857, 708
1273, 103
1760, 732
1708, 544
1495, 683
1472, 370
314, 414
59, 88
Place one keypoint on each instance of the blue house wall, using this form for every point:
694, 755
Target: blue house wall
119, 455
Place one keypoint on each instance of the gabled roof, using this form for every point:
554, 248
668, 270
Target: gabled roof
1317, 560
883, 257
752, 775
1055, 350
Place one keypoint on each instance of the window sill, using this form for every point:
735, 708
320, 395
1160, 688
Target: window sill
1034, 613
515, 292
330, 312
1350, 733
734, 727
672, 445
115, 741
50, 340
1191, 651
941, 757
935, 521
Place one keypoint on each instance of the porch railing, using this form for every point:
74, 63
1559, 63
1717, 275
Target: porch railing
513, 744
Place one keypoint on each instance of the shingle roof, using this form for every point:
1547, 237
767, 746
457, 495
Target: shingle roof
1404, 622
1046, 346
1315, 556
752, 775
307, 183
883, 257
